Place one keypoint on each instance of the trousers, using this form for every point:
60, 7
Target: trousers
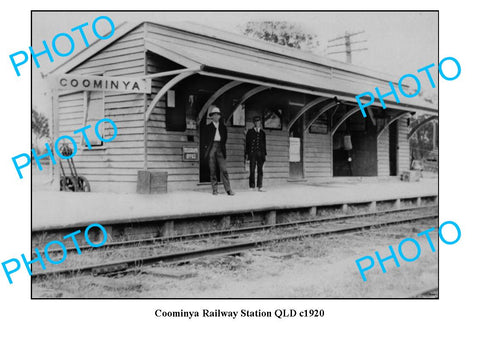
217, 158
256, 161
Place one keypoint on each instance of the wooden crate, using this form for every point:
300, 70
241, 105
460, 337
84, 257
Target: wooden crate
410, 176
152, 182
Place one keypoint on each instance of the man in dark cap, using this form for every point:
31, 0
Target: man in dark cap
255, 152
215, 139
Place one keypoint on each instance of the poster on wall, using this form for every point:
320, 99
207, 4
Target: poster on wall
191, 112
294, 150
239, 116
272, 119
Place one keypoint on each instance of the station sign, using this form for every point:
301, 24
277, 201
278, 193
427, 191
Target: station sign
190, 154
100, 83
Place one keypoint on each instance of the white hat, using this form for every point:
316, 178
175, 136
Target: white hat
214, 110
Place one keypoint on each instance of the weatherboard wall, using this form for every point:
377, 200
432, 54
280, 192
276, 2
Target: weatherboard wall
403, 149
403, 145
114, 166
383, 154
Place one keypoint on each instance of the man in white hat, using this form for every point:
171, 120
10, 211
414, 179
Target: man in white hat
215, 139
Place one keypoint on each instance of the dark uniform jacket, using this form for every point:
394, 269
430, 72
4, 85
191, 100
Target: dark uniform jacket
209, 135
253, 145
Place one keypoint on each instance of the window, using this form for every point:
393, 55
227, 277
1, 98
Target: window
94, 108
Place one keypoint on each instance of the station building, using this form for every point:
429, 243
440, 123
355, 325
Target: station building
306, 102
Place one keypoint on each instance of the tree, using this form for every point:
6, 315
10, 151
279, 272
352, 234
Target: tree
40, 131
282, 33
421, 143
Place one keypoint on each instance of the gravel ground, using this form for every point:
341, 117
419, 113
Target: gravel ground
311, 268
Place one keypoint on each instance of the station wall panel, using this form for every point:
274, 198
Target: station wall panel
114, 166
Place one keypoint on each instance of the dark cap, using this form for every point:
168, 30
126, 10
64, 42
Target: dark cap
256, 119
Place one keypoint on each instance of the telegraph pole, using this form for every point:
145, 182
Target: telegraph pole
348, 45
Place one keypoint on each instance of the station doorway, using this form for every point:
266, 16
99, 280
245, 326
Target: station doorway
355, 148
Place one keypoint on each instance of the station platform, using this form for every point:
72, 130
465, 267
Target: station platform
62, 210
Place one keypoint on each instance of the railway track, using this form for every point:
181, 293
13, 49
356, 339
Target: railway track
235, 241
239, 231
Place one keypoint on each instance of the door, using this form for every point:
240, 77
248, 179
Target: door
296, 150
393, 147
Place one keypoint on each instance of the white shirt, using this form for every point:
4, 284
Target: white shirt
217, 137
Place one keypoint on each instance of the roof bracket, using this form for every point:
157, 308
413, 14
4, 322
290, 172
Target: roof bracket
171, 83
323, 110
344, 118
390, 122
422, 123
215, 96
244, 98
304, 109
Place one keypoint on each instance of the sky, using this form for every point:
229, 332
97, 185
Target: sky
397, 42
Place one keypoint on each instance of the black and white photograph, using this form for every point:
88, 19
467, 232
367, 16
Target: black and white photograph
227, 155
213, 170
